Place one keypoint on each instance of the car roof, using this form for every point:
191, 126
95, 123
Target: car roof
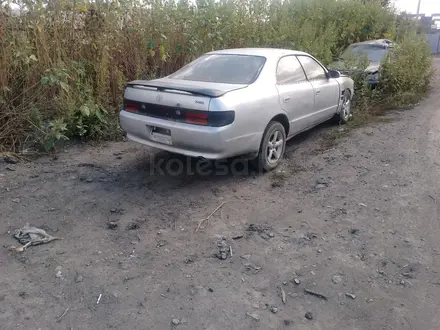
377, 42
266, 52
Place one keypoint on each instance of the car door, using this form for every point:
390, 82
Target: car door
326, 89
296, 93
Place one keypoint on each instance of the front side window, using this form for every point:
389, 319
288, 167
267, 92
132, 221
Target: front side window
289, 71
314, 71
222, 68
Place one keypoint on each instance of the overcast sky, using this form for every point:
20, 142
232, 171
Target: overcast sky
427, 7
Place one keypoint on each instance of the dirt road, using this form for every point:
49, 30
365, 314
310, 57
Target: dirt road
358, 223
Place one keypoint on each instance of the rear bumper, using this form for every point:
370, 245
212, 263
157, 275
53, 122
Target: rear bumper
191, 140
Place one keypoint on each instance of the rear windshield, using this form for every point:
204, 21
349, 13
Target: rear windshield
222, 68
371, 52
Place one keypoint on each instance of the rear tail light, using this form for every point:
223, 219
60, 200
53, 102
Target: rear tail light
221, 118
131, 107
210, 118
196, 117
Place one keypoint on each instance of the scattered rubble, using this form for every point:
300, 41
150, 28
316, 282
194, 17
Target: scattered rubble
337, 279
350, 295
260, 229
254, 316
223, 250
189, 260
79, 279
58, 273
112, 225
321, 183
309, 316
354, 231
283, 295
9, 159
251, 269
274, 309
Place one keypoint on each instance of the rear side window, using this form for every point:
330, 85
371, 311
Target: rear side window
289, 71
222, 68
313, 69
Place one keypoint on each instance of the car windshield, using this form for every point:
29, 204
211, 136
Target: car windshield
222, 68
371, 52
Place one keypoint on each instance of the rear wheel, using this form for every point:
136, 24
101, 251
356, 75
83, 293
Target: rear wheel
272, 147
345, 112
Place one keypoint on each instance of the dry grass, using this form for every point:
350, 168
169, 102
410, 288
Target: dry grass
63, 66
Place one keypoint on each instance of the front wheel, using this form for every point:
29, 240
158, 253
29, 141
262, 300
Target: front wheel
272, 147
345, 114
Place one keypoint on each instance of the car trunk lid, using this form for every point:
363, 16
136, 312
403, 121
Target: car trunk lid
183, 94
178, 100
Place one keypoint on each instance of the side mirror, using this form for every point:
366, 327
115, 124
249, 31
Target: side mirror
333, 74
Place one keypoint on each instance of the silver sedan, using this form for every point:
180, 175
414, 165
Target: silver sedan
236, 102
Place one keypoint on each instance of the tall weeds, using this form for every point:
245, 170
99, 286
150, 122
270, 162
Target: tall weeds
63, 63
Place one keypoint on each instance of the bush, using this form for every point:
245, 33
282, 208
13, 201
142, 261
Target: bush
407, 74
63, 64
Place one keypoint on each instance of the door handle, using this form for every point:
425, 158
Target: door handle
318, 92
286, 98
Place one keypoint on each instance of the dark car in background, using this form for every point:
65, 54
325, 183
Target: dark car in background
373, 51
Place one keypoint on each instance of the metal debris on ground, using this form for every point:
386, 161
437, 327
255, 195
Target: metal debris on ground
319, 295
29, 236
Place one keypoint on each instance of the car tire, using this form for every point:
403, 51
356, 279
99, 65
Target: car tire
345, 114
272, 147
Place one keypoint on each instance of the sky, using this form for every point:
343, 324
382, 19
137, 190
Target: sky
427, 7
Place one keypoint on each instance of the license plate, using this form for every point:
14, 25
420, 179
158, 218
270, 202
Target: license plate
161, 135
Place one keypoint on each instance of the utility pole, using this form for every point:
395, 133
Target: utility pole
418, 8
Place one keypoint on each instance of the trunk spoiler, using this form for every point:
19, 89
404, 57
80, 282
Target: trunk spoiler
161, 86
